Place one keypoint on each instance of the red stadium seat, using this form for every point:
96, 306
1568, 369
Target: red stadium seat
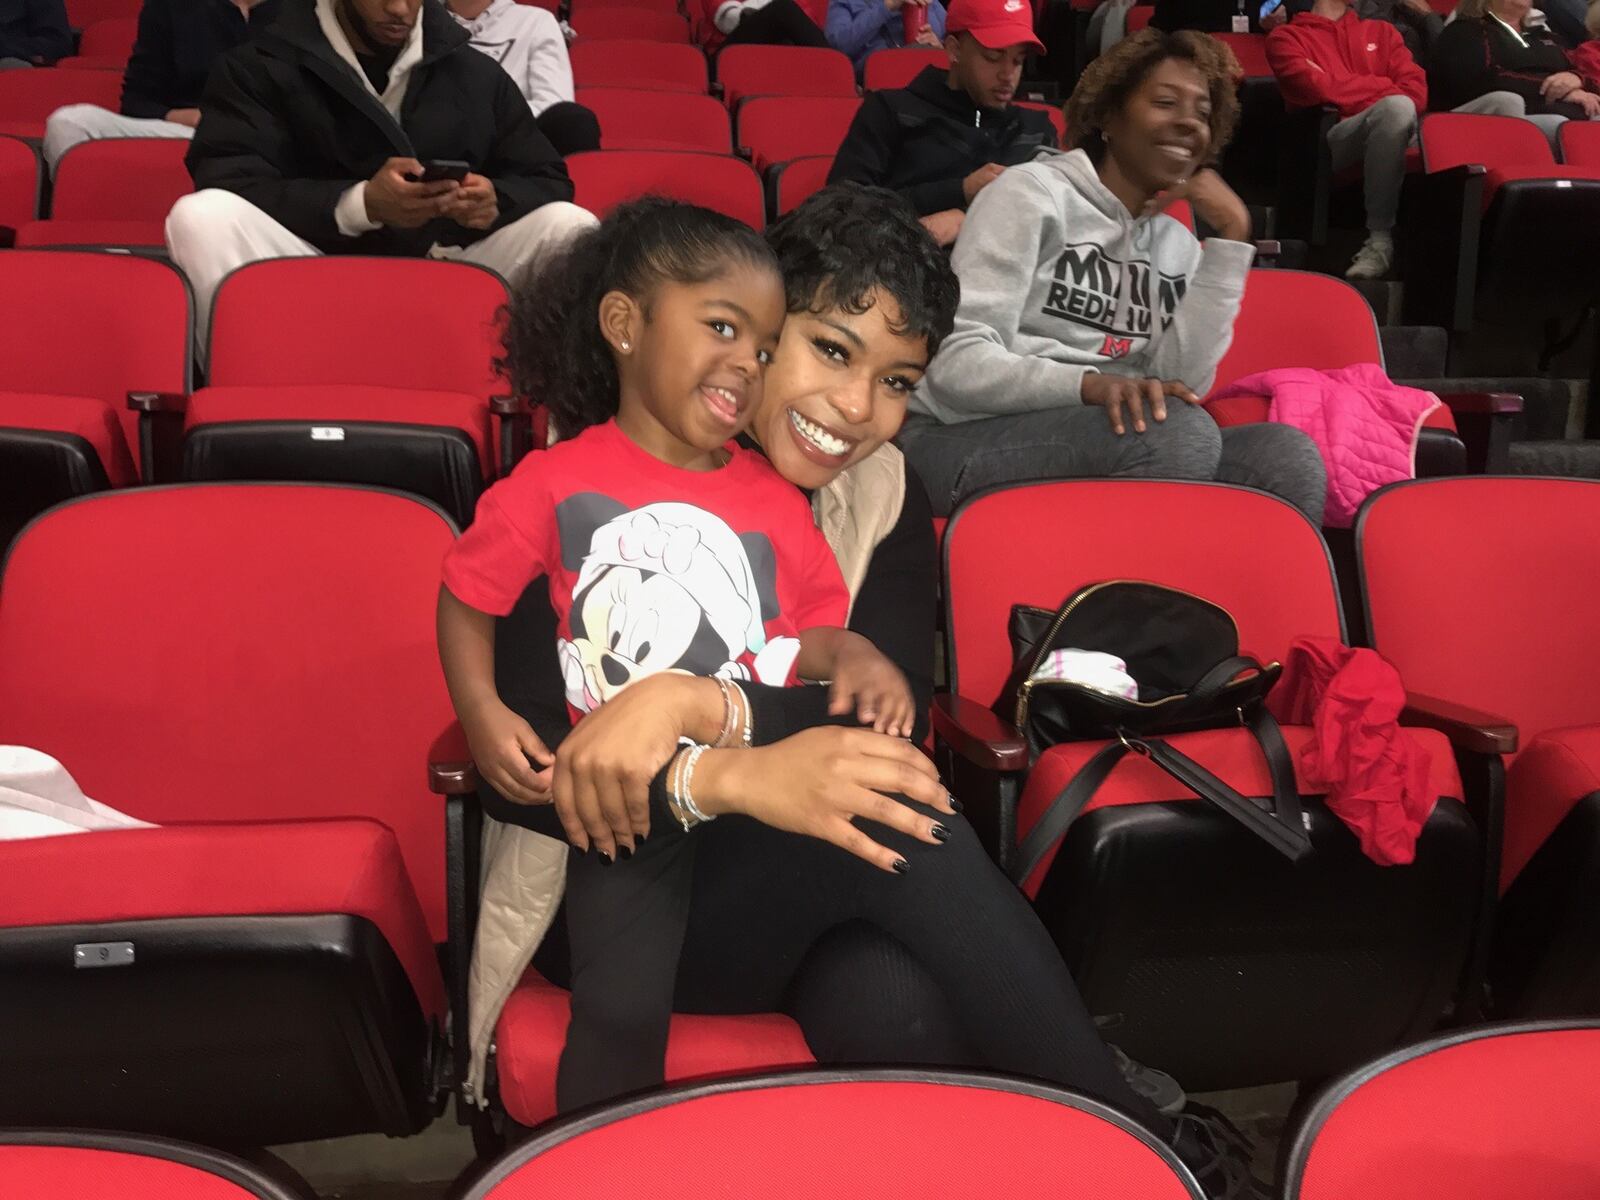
637, 119
19, 184
639, 65
1493, 184
61, 1164
82, 331
1053, 111
1251, 51
849, 1135
1139, 17
332, 389
632, 24
113, 192
1160, 904
111, 40
605, 178
251, 667
776, 129
533, 1029
801, 177
84, 13
746, 70
583, 10
1266, 336
1481, 592
27, 98
896, 68
1580, 144
1482, 1114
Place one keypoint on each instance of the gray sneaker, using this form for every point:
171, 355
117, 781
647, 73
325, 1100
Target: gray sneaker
1159, 1088
1219, 1154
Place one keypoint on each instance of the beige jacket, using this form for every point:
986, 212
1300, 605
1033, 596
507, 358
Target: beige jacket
525, 872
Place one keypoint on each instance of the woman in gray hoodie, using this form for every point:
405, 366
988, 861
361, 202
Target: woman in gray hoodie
1079, 293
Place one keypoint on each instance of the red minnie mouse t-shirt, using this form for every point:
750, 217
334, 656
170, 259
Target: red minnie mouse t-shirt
652, 567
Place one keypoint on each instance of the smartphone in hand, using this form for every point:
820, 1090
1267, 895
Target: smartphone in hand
437, 170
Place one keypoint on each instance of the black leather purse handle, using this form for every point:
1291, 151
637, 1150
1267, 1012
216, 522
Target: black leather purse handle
1283, 829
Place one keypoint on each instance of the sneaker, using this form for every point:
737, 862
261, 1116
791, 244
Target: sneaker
1159, 1088
1374, 259
1216, 1151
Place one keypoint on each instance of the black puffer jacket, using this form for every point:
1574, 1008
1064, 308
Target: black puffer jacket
288, 125
923, 140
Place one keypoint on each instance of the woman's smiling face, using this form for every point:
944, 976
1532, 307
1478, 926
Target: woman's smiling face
837, 389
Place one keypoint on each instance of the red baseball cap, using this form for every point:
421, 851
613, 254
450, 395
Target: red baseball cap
994, 23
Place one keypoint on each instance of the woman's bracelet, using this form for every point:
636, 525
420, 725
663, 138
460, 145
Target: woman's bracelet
680, 787
735, 715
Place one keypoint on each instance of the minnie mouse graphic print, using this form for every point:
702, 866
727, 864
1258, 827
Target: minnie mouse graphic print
652, 568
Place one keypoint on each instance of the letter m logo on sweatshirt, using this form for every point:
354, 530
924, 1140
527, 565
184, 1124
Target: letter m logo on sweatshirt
1112, 297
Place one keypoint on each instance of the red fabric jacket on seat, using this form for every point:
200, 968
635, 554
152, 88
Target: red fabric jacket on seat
1375, 775
1349, 63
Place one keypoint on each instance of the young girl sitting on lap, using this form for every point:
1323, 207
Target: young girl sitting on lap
667, 547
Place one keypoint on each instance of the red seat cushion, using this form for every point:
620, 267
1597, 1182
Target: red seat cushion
1231, 754
1499, 176
92, 420
245, 869
533, 1029
333, 403
50, 1172
91, 233
1551, 774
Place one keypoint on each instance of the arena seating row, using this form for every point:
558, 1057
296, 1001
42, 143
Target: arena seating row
1521, 1089
274, 697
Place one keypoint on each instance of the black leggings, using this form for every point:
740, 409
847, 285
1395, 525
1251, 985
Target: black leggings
722, 920
779, 23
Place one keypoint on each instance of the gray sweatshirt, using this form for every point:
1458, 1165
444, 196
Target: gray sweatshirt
1058, 279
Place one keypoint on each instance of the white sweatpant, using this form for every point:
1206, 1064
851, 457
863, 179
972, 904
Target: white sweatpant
1378, 136
213, 232
76, 123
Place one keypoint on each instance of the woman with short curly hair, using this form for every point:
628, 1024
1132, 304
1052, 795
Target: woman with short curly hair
1080, 292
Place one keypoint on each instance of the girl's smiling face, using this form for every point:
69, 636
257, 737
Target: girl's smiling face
692, 359
837, 389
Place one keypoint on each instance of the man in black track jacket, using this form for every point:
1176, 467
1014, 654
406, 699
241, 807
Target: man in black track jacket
313, 136
941, 140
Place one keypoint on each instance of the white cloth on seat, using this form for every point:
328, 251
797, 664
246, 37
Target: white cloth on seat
39, 798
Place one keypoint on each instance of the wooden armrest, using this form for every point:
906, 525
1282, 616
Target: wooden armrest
1467, 728
507, 406
451, 771
1268, 248
980, 737
1482, 403
158, 402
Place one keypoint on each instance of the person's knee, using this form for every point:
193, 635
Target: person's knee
1503, 104
1397, 113
1281, 460
1187, 445
68, 126
197, 217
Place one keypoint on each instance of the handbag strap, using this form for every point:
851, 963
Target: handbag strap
1283, 828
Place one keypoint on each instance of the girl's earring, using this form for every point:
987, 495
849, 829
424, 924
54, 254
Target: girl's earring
626, 346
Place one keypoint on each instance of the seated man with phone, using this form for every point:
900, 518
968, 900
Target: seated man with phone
366, 127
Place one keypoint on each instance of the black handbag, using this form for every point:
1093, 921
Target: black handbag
1184, 653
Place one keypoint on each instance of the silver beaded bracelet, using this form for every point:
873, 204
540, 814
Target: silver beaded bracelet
686, 794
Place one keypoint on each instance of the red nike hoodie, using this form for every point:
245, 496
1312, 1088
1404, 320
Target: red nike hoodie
1349, 63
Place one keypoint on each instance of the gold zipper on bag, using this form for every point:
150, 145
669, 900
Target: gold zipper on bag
1039, 655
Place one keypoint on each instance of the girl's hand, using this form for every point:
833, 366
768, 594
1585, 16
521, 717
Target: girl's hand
867, 680
604, 767
502, 744
1115, 393
1214, 202
820, 781
1561, 85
